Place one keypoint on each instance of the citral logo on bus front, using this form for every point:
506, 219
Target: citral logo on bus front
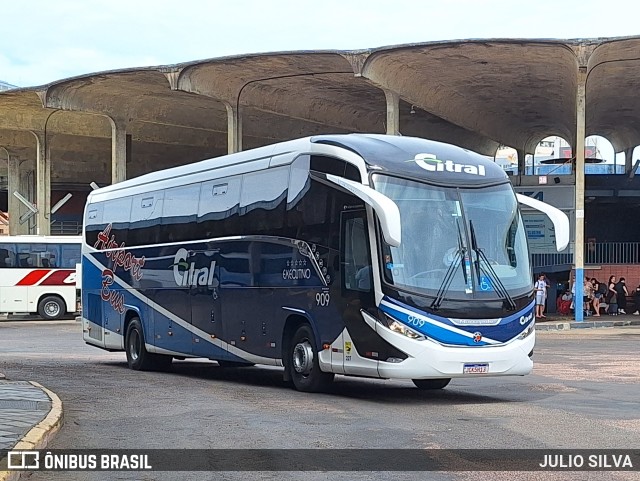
431, 163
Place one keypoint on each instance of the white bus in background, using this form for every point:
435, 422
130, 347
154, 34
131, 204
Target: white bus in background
38, 275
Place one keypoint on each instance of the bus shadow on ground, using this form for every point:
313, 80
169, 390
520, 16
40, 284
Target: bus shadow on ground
371, 390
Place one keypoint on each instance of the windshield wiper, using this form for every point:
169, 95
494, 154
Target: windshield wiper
448, 277
489, 272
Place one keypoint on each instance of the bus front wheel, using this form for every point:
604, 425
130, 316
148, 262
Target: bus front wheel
431, 384
303, 364
138, 358
51, 307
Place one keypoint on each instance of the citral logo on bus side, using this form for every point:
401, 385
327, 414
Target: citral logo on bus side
187, 274
431, 163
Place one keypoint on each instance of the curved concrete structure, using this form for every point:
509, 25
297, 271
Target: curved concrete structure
108, 126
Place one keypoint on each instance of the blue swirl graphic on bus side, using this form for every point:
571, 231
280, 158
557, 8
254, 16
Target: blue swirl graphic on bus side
151, 318
443, 330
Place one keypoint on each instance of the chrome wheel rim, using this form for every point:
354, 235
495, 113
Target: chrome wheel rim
52, 309
303, 358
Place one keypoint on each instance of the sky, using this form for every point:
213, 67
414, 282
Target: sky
42, 41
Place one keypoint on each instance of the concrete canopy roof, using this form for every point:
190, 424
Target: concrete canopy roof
474, 93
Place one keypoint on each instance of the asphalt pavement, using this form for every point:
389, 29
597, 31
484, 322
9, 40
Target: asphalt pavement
31, 414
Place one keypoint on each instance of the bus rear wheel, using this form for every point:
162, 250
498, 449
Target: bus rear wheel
303, 364
51, 307
138, 358
431, 384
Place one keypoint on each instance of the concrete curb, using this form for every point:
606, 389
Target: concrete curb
566, 325
40, 435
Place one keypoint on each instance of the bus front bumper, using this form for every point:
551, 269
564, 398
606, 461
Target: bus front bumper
437, 361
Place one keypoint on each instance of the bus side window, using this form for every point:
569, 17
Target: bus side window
357, 275
8, 255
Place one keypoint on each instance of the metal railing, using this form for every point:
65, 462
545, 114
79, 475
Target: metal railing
551, 259
594, 253
66, 227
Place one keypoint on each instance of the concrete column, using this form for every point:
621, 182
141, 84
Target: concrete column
13, 185
27, 189
234, 128
43, 184
393, 112
578, 254
118, 150
521, 162
628, 157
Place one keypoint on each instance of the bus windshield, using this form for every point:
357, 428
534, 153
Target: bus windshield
460, 243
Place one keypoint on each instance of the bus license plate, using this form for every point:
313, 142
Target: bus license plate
475, 368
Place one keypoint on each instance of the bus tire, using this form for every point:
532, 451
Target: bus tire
431, 384
303, 364
51, 307
138, 358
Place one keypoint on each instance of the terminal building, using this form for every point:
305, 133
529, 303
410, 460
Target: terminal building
499, 97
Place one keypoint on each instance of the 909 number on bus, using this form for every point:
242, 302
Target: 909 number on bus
322, 299
415, 321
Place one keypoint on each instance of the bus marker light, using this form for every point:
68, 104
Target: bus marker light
394, 360
326, 345
243, 338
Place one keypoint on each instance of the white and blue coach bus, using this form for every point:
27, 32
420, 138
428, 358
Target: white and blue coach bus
362, 255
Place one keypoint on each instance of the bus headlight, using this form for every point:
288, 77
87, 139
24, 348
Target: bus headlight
402, 329
527, 332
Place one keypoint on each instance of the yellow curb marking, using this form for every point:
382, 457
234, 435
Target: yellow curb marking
40, 435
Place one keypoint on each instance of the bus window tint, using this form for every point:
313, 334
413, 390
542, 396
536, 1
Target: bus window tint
179, 213
8, 255
120, 211
357, 259
146, 211
69, 256
23, 255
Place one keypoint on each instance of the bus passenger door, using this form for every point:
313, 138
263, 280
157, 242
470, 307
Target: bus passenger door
357, 293
206, 307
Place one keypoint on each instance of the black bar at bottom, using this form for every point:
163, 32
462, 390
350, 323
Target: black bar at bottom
322, 460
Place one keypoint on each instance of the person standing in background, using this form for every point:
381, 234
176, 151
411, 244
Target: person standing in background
612, 296
541, 296
598, 289
588, 295
622, 292
636, 301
